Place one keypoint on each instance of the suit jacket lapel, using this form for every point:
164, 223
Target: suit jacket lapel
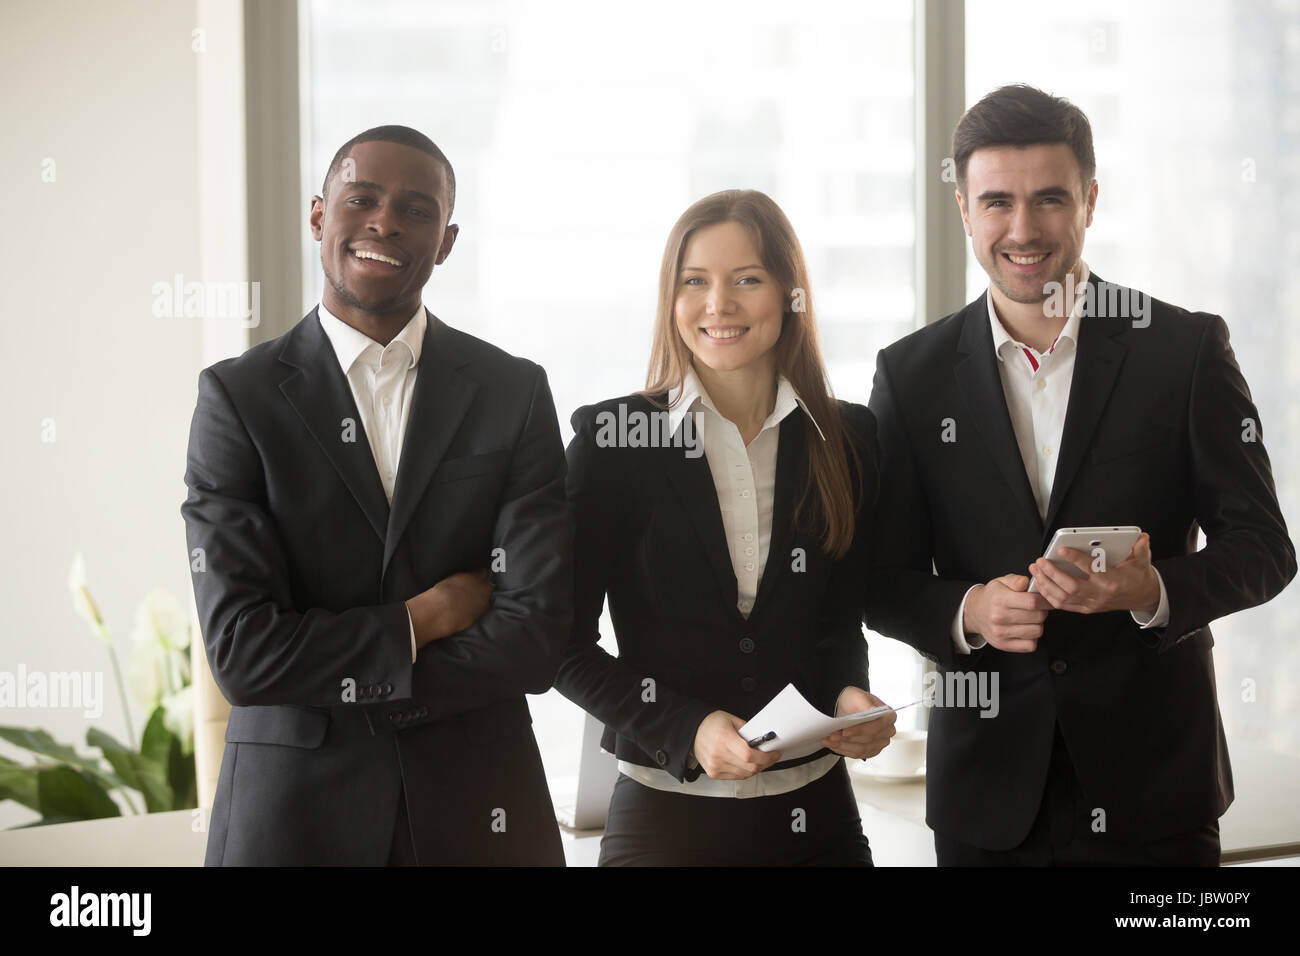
981, 387
441, 397
693, 481
319, 393
1097, 362
789, 452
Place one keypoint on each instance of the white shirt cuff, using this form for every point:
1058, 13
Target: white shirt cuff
959, 633
1161, 617
412, 623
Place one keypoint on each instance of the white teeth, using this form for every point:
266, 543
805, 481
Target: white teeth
1027, 260
362, 254
723, 333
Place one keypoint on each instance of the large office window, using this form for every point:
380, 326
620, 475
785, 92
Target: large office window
581, 131
1196, 120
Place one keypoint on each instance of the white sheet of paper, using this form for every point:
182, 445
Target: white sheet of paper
799, 725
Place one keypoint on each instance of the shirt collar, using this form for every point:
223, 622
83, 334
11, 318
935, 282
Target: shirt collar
349, 343
683, 398
1069, 331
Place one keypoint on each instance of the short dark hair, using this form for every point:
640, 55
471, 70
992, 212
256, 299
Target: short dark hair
404, 136
1020, 115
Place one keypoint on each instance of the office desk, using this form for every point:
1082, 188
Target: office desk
1262, 824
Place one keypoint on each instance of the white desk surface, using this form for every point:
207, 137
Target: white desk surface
1263, 823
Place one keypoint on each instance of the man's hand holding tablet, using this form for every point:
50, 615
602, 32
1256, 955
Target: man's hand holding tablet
1009, 611
1130, 585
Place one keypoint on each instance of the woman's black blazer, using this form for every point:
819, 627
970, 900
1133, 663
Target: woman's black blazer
649, 535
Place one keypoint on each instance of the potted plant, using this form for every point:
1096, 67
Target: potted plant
63, 785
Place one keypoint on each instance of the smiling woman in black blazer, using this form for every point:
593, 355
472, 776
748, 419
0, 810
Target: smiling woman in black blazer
720, 511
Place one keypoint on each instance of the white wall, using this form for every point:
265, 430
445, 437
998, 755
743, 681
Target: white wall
108, 91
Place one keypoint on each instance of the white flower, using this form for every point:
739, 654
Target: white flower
146, 675
178, 716
82, 602
161, 620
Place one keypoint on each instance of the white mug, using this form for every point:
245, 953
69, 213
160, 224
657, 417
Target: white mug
903, 757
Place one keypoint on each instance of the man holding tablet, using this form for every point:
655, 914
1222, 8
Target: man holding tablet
1058, 400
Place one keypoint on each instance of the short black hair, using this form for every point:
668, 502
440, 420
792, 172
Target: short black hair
1021, 115
404, 136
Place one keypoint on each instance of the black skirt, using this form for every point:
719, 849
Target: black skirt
816, 825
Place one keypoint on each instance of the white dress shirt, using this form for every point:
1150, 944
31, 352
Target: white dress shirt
745, 479
1037, 391
382, 380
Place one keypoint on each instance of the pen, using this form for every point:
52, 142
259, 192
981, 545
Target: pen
770, 735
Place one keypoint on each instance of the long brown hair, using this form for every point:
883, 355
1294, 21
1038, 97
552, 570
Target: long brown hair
827, 498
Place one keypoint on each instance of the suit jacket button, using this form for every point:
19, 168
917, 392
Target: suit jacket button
661, 757
1058, 667
748, 683
387, 688
746, 645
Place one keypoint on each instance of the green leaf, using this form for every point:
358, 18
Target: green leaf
74, 795
161, 745
101, 737
40, 742
183, 777
18, 783
138, 771
156, 741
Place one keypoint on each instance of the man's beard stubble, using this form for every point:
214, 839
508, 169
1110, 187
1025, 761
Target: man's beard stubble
1031, 298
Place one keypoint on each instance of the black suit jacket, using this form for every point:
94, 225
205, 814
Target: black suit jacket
1152, 437
649, 535
301, 571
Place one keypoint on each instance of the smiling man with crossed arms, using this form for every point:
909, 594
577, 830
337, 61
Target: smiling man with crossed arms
349, 482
